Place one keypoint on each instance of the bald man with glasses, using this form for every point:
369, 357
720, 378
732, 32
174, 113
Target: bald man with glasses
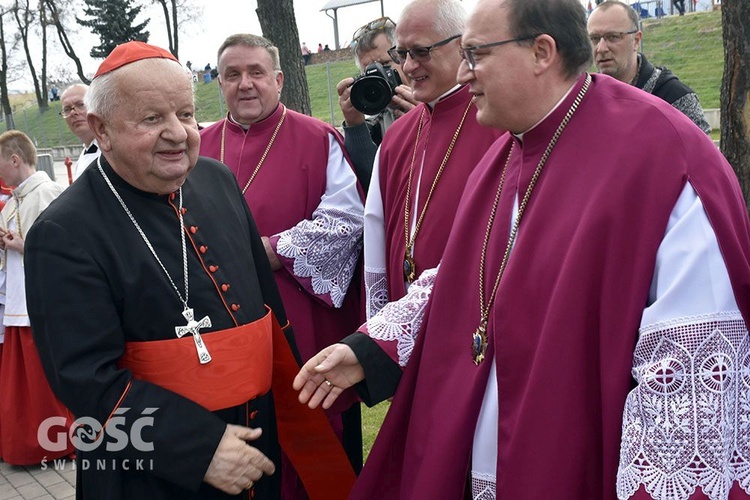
425, 157
74, 112
616, 38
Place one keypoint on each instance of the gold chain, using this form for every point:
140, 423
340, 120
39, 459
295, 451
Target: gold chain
409, 241
265, 153
485, 308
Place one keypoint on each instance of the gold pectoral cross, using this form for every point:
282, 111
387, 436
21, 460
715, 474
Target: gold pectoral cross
193, 327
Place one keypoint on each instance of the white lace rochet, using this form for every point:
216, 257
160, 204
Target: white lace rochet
376, 290
686, 424
400, 320
325, 249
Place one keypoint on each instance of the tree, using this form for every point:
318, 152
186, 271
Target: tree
4, 99
112, 21
188, 12
25, 18
735, 88
170, 18
56, 18
279, 25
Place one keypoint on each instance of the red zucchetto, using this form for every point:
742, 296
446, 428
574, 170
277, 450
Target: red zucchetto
129, 52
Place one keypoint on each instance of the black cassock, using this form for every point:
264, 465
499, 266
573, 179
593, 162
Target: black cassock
92, 285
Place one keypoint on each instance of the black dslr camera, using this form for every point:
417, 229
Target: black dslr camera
372, 90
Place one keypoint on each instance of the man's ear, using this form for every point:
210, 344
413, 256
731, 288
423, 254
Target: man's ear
99, 128
280, 80
637, 41
545, 53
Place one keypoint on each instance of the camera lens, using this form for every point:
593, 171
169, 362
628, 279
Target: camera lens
371, 94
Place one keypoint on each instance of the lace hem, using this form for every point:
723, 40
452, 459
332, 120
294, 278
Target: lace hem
325, 249
483, 487
687, 422
376, 290
400, 320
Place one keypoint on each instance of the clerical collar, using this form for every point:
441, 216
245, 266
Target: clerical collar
20, 187
452, 91
267, 122
232, 120
520, 136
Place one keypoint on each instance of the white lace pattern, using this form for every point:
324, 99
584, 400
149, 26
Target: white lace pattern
325, 249
400, 320
376, 290
687, 422
483, 487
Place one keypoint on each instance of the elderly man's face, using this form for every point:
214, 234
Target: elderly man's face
249, 83
74, 112
435, 75
618, 56
503, 75
151, 140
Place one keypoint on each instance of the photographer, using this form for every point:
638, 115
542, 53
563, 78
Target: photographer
362, 134
422, 165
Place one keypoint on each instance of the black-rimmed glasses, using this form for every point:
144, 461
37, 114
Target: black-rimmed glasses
378, 24
467, 53
418, 54
68, 110
614, 37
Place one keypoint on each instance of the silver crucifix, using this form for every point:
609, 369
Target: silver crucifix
193, 327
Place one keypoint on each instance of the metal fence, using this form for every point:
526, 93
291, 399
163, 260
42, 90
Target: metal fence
45, 128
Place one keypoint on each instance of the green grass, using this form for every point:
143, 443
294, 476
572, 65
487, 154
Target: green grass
210, 105
372, 418
317, 81
690, 46
47, 128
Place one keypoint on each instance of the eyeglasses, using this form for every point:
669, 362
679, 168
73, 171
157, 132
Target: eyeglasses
615, 37
68, 110
467, 53
378, 24
419, 54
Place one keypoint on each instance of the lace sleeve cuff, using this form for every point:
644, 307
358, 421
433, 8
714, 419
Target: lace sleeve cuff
686, 424
322, 253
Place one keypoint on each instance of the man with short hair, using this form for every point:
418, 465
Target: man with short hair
27, 400
363, 135
154, 308
303, 193
426, 156
585, 335
74, 112
616, 38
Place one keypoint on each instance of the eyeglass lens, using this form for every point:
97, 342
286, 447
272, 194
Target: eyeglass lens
68, 110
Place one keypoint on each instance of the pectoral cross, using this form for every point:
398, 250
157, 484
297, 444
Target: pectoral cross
194, 327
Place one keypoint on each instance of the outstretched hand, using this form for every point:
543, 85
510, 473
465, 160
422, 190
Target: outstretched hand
325, 376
